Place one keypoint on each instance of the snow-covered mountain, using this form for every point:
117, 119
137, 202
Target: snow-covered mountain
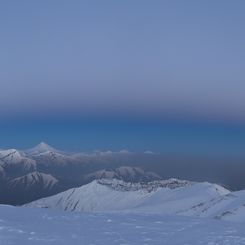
32, 180
70, 170
229, 207
126, 173
16, 163
13, 156
24, 173
10, 156
163, 197
41, 148
30, 187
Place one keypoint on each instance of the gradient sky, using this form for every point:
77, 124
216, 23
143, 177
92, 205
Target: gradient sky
132, 74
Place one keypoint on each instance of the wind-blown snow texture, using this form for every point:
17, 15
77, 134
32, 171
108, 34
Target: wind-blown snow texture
27, 226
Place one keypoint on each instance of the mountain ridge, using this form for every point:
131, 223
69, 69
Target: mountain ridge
17, 168
168, 197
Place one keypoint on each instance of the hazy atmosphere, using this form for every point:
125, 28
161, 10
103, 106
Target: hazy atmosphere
166, 76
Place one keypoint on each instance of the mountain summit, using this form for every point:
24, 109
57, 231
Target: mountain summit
41, 148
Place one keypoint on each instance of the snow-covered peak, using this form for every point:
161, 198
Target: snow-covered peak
41, 148
167, 197
34, 178
126, 173
10, 155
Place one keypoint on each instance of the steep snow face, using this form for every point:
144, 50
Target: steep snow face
165, 197
229, 207
41, 148
32, 226
177, 200
10, 159
125, 173
29, 187
92, 197
34, 179
10, 156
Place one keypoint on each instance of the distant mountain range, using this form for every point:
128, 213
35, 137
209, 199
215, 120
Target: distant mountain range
108, 181
42, 171
28, 175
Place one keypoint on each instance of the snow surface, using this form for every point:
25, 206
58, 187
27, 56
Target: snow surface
116, 212
169, 197
227, 207
30, 226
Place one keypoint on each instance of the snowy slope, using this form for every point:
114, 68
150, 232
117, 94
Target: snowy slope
165, 197
16, 162
176, 201
10, 156
92, 197
227, 207
13, 156
27, 226
29, 187
33, 179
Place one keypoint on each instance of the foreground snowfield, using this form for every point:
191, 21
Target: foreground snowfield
31, 226
111, 212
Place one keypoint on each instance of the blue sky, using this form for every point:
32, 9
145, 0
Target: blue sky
165, 75
167, 137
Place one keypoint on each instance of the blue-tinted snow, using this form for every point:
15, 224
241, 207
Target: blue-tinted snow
30, 226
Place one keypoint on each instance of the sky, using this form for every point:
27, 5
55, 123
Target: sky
166, 76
